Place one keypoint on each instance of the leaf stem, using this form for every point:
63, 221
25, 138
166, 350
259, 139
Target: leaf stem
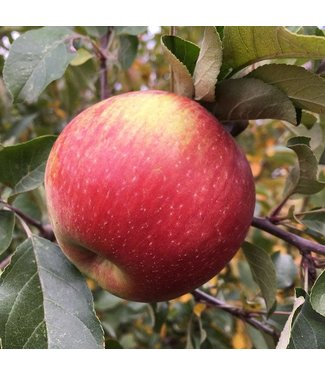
302, 244
237, 312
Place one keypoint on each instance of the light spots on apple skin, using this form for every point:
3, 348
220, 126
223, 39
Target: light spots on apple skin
162, 203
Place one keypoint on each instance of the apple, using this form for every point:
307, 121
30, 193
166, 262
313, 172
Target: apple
148, 194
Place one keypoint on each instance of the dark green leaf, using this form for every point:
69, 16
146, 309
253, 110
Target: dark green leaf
45, 302
303, 177
263, 272
182, 56
250, 98
245, 45
208, 65
128, 50
37, 58
316, 222
7, 223
304, 88
113, 344
130, 30
308, 329
285, 268
22, 165
317, 294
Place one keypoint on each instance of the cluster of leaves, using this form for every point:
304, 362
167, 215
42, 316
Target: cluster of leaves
240, 74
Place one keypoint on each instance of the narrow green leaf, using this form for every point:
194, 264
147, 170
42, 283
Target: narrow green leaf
285, 268
263, 272
182, 56
7, 223
245, 45
130, 30
303, 177
45, 302
208, 65
286, 332
81, 57
317, 294
22, 165
304, 88
249, 99
127, 50
37, 58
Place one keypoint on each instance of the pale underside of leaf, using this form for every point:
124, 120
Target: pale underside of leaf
208, 65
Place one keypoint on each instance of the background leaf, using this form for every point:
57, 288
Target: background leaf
245, 45
263, 272
35, 59
250, 98
7, 223
22, 165
317, 295
316, 222
208, 65
303, 177
304, 88
45, 302
130, 30
127, 50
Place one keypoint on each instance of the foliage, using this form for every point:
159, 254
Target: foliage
266, 85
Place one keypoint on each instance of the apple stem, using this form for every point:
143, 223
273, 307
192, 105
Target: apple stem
302, 244
237, 312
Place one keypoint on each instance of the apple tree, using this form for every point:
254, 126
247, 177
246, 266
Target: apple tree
266, 86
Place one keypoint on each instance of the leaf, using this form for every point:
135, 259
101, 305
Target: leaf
249, 99
96, 31
316, 222
45, 302
208, 65
308, 329
245, 45
35, 59
130, 30
304, 88
286, 332
303, 177
22, 165
196, 334
81, 57
182, 56
263, 272
317, 294
7, 223
128, 50
285, 268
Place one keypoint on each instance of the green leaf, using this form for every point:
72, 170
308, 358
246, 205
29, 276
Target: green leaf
286, 332
81, 57
308, 119
303, 177
285, 268
208, 65
130, 30
316, 222
245, 45
7, 223
249, 99
45, 302
317, 294
182, 56
308, 329
304, 88
127, 50
22, 165
263, 272
96, 31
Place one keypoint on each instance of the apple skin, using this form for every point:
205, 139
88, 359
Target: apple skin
148, 195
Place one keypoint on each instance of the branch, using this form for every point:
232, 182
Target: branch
45, 229
246, 316
302, 244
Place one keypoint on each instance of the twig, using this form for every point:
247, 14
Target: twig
302, 244
278, 208
103, 80
45, 229
237, 312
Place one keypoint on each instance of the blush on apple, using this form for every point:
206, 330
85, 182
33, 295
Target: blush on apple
148, 195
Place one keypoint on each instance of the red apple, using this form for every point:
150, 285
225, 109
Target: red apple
148, 194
